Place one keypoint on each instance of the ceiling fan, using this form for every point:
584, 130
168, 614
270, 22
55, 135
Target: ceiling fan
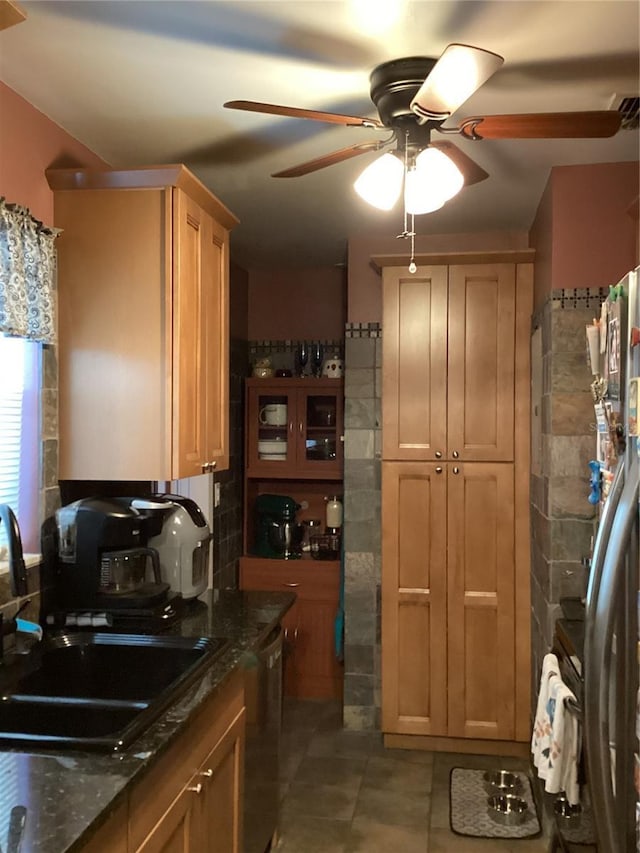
415, 96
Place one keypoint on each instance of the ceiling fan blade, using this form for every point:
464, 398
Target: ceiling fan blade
455, 77
328, 160
471, 172
296, 112
576, 125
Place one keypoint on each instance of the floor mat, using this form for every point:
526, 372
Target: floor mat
469, 813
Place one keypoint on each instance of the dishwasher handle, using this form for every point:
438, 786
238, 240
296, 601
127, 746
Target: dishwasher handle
271, 649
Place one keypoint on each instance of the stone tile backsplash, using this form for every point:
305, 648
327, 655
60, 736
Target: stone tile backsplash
562, 520
363, 346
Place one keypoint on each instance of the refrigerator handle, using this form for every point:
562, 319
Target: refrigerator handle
602, 541
598, 657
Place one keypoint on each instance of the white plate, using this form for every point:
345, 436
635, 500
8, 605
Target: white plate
275, 457
273, 446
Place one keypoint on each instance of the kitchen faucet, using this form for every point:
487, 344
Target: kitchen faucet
17, 569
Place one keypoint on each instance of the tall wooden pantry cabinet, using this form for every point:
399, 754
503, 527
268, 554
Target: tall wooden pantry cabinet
455, 506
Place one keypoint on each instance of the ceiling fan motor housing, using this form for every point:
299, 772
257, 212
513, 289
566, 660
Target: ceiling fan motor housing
394, 85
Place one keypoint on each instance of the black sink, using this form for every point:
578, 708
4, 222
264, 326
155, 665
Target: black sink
99, 691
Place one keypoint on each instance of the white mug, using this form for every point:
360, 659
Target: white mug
274, 414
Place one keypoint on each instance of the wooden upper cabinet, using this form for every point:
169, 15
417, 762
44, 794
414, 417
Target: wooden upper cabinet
143, 289
414, 363
481, 362
449, 362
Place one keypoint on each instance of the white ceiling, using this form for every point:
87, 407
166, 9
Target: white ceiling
143, 82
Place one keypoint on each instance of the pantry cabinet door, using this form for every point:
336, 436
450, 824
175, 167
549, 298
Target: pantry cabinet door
414, 604
414, 364
480, 600
481, 362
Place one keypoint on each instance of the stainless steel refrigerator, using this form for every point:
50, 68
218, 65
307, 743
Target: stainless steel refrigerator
611, 628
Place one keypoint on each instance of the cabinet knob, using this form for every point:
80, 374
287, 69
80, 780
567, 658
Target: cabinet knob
208, 773
438, 454
455, 454
439, 469
195, 788
291, 584
456, 470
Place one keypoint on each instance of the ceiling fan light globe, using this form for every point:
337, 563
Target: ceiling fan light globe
419, 195
438, 173
381, 182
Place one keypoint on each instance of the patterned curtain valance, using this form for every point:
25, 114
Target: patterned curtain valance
27, 275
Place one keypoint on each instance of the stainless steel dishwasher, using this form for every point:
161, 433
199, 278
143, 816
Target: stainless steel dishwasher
263, 701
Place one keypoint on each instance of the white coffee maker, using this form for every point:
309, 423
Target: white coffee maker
183, 544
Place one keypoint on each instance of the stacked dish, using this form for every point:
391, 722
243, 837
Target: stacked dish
274, 449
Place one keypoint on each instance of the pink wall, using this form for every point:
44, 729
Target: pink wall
586, 228
541, 236
594, 237
297, 304
365, 285
29, 144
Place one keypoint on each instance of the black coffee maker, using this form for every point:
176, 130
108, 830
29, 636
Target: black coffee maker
103, 561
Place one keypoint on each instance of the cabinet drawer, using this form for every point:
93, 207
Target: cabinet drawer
309, 579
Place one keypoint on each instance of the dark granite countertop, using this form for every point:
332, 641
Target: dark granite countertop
67, 794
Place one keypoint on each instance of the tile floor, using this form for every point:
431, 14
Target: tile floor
343, 792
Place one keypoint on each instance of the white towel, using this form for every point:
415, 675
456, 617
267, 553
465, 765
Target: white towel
541, 737
555, 742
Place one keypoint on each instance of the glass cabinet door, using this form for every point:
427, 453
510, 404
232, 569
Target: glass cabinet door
294, 428
321, 417
273, 416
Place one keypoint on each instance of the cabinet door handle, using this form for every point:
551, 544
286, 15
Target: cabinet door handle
455, 454
295, 634
438, 454
301, 427
204, 467
456, 470
208, 773
196, 789
291, 584
439, 469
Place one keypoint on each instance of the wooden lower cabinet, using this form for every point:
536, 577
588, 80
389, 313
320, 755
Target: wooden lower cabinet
448, 600
311, 669
191, 799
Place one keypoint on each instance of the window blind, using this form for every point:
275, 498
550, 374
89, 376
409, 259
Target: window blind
12, 384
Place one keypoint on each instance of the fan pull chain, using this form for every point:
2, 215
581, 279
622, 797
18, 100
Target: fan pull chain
405, 232
412, 262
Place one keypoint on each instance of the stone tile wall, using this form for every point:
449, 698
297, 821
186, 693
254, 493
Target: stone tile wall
562, 519
363, 360
227, 518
